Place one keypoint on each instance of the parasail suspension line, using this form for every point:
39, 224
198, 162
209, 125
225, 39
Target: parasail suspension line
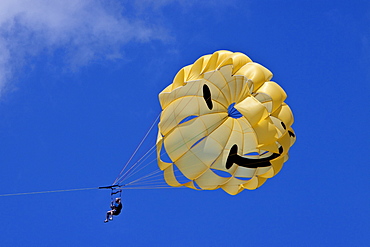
138, 147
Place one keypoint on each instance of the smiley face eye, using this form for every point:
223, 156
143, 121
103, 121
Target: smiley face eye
207, 96
283, 124
290, 132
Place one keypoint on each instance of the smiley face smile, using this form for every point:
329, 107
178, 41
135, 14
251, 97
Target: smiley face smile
234, 158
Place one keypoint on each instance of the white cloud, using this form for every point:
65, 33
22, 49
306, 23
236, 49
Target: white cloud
86, 29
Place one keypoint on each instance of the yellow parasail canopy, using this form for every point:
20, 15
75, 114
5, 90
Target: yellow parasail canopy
224, 124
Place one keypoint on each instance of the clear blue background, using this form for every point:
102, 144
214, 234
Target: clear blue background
75, 104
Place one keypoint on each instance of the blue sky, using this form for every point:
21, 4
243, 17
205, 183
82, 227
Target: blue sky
78, 90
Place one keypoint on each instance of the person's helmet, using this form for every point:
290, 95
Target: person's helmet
118, 199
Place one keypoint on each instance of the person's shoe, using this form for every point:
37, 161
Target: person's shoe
111, 218
105, 221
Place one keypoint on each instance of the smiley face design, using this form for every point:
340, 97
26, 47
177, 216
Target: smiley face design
224, 124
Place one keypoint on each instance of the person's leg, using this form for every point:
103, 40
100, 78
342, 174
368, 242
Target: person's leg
111, 214
108, 215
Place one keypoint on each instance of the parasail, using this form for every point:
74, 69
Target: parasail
224, 124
